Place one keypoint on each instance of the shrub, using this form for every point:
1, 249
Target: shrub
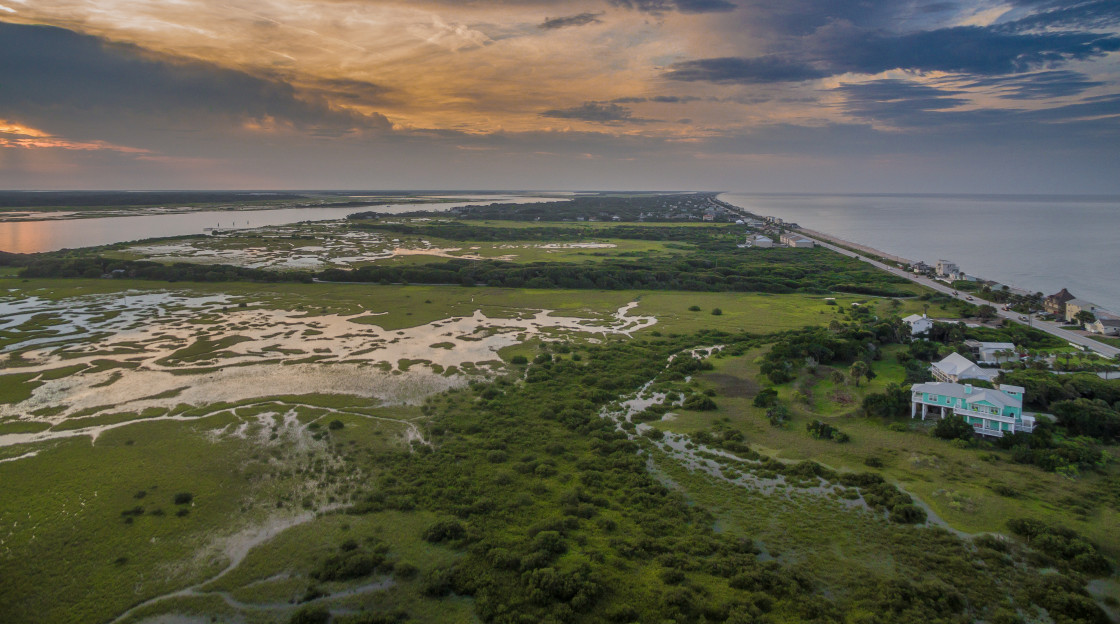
716, 312
405, 571
825, 431
437, 582
335, 425
183, 498
519, 360
444, 530
953, 427
699, 402
694, 308
766, 397
777, 415
908, 514
310, 615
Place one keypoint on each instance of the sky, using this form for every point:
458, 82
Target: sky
923, 96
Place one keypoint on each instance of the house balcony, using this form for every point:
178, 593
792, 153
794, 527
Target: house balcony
1025, 424
982, 430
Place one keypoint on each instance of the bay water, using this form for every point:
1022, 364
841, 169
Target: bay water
54, 234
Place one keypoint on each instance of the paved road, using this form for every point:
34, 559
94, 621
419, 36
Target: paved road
1048, 327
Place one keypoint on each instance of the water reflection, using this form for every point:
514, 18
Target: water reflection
37, 236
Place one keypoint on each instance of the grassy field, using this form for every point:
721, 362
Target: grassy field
959, 484
105, 524
115, 502
409, 306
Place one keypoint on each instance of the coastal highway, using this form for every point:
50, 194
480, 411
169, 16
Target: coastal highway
1050, 328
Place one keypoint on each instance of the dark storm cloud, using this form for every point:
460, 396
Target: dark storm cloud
682, 6
581, 19
1039, 85
55, 76
599, 112
757, 70
1103, 109
803, 17
906, 104
897, 101
1082, 14
938, 7
965, 49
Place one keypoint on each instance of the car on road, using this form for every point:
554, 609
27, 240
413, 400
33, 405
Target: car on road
969, 297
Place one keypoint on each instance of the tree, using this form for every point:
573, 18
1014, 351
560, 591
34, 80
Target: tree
1084, 317
858, 369
1088, 417
838, 377
893, 402
777, 415
986, 312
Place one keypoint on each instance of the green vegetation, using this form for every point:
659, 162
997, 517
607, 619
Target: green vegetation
748, 457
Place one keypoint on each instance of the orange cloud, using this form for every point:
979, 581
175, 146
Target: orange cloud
16, 135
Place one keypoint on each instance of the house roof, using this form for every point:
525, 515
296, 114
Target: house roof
914, 318
1061, 296
976, 395
957, 365
997, 345
1081, 303
1108, 322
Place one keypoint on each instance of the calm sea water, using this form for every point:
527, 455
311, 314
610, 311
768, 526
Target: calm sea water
1039, 243
52, 235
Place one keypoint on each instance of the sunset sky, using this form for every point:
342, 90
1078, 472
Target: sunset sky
751, 95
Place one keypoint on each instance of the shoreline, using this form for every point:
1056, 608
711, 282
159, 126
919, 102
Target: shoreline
1022, 244
869, 254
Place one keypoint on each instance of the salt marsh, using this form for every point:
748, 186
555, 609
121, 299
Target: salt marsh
150, 352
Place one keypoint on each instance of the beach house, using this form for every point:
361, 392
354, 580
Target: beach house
796, 240
991, 352
991, 412
946, 268
918, 324
758, 240
1056, 303
1105, 325
956, 367
1073, 306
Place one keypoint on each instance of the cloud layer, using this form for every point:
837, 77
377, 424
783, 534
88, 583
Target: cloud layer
722, 92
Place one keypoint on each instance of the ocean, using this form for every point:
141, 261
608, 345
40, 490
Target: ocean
1037, 243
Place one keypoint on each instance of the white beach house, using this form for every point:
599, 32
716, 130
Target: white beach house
956, 367
992, 352
918, 324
